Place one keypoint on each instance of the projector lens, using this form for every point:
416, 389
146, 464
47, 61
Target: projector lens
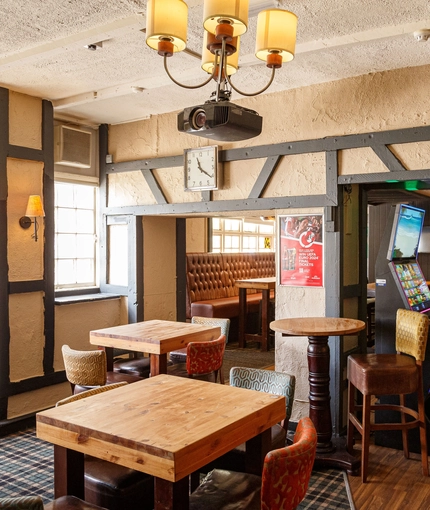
198, 118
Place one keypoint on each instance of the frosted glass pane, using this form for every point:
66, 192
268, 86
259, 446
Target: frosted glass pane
85, 271
66, 246
118, 255
66, 220
65, 273
84, 221
85, 245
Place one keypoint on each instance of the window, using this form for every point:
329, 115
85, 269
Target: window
75, 236
240, 235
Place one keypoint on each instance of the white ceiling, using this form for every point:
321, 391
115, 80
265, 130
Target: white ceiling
42, 52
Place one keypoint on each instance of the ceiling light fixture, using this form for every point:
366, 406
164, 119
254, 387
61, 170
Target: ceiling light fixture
224, 21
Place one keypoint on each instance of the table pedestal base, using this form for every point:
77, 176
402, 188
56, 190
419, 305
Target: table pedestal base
338, 457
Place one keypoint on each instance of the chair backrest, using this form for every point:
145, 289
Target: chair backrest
89, 393
411, 333
267, 381
224, 324
205, 357
22, 503
85, 368
287, 471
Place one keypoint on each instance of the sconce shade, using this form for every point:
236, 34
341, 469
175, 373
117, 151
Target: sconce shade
276, 33
34, 207
166, 20
208, 58
235, 11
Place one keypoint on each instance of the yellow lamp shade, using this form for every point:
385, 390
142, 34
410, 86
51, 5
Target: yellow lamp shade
234, 11
276, 33
34, 207
166, 20
208, 58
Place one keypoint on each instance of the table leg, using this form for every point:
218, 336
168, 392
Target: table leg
330, 451
265, 330
109, 358
171, 495
242, 317
68, 472
158, 364
256, 450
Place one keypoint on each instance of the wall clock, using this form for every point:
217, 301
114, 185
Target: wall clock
201, 169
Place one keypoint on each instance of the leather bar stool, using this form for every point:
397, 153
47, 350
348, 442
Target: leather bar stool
390, 374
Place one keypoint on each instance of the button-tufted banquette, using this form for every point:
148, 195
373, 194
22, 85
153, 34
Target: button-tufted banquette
211, 291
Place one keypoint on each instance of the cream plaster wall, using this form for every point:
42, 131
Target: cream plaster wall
27, 339
25, 120
159, 268
73, 323
196, 232
34, 401
25, 256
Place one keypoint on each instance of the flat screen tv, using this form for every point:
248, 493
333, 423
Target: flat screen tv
405, 233
412, 285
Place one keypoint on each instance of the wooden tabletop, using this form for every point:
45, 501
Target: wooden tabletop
317, 326
154, 336
165, 426
257, 283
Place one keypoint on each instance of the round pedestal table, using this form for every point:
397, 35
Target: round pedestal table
330, 451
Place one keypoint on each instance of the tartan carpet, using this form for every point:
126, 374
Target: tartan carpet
27, 468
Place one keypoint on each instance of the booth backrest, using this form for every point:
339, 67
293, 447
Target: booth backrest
212, 275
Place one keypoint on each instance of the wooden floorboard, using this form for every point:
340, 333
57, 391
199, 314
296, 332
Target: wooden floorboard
393, 482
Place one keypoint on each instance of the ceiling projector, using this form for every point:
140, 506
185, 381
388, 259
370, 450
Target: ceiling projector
220, 121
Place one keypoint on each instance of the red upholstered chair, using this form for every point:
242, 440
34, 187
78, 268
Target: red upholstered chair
390, 374
283, 486
204, 360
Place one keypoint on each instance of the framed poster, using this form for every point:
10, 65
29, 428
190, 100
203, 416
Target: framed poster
301, 250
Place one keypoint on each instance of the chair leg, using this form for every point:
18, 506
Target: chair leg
365, 437
423, 433
405, 439
351, 410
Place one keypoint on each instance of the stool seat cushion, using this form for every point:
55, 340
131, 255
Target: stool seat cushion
112, 378
117, 487
179, 356
383, 374
137, 366
226, 490
71, 503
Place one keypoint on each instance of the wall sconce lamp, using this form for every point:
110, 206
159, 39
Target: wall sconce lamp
34, 210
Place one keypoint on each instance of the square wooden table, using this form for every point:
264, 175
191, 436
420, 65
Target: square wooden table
265, 285
156, 337
165, 426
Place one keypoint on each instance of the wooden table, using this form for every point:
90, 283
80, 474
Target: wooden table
156, 337
318, 329
165, 426
265, 285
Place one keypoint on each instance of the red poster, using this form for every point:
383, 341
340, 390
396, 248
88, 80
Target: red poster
301, 250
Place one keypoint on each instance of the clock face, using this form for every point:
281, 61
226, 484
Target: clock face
201, 168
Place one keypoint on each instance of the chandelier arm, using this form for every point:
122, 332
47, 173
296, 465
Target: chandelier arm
249, 94
188, 86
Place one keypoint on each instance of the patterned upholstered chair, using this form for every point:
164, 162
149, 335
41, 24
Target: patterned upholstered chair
283, 485
204, 360
390, 374
36, 503
180, 355
267, 381
88, 369
111, 485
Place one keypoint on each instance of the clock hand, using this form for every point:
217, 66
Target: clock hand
201, 169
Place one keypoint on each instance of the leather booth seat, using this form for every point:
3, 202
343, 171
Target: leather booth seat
211, 289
